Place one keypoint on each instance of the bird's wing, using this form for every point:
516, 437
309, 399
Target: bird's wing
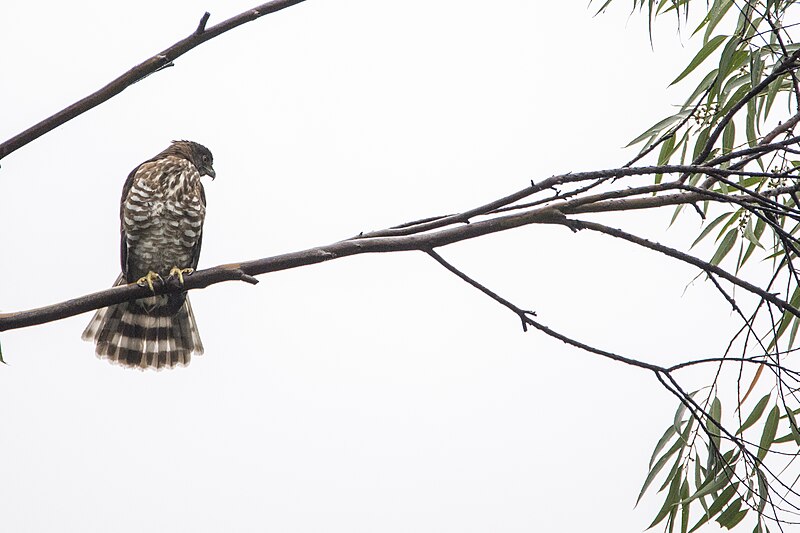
123, 248
199, 243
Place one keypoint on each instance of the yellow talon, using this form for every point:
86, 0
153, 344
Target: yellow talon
149, 279
179, 272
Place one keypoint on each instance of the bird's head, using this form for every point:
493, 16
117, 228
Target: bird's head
198, 154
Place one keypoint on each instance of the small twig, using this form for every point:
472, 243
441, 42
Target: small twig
521, 313
525, 317
780, 128
202, 26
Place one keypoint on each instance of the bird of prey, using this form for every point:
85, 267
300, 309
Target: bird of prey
161, 214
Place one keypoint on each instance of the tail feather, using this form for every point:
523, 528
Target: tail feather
138, 334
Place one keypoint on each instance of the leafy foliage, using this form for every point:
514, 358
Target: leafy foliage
725, 480
745, 64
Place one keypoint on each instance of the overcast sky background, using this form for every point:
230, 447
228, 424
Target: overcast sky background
372, 393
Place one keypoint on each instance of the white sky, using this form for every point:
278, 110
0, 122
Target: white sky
374, 393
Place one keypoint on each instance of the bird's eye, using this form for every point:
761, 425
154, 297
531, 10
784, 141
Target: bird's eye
205, 159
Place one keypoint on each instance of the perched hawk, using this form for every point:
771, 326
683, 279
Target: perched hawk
162, 211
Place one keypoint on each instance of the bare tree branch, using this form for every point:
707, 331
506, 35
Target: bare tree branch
686, 258
140, 71
434, 233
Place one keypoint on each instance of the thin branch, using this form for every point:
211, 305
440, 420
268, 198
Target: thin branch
521, 313
525, 317
140, 71
432, 223
686, 258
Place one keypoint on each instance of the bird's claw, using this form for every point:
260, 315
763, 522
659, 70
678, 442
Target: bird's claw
179, 272
148, 280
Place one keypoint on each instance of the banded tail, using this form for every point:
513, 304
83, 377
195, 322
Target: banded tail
156, 332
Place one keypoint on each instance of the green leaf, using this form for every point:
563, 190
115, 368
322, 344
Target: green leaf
750, 248
677, 466
707, 82
737, 96
678, 418
699, 475
728, 138
795, 430
701, 56
750, 234
755, 414
709, 227
675, 214
772, 92
671, 430
685, 507
658, 127
750, 123
700, 144
793, 334
716, 14
672, 499
711, 485
734, 218
784, 439
763, 491
732, 515
667, 149
658, 467
722, 500
787, 317
713, 423
724, 247
756, 67
603, 7
726, 62
768, 435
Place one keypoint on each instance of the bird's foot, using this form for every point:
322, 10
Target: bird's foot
149, 279
179, 272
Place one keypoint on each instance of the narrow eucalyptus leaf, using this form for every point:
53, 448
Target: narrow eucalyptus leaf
725, 246
672, 499
728, 138
711, 485
768, 435
670, 432
710, 226
755, 414
701, 56
715, 15
763, 491
717, 505
657, 468
730, 513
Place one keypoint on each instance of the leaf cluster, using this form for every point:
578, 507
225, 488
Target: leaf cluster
742, 106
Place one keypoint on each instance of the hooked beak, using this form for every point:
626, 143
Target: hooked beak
210, 172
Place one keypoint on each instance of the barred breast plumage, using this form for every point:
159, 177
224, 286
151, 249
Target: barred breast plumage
162, 212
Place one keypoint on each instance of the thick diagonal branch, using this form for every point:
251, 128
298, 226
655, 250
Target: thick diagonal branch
418, 241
